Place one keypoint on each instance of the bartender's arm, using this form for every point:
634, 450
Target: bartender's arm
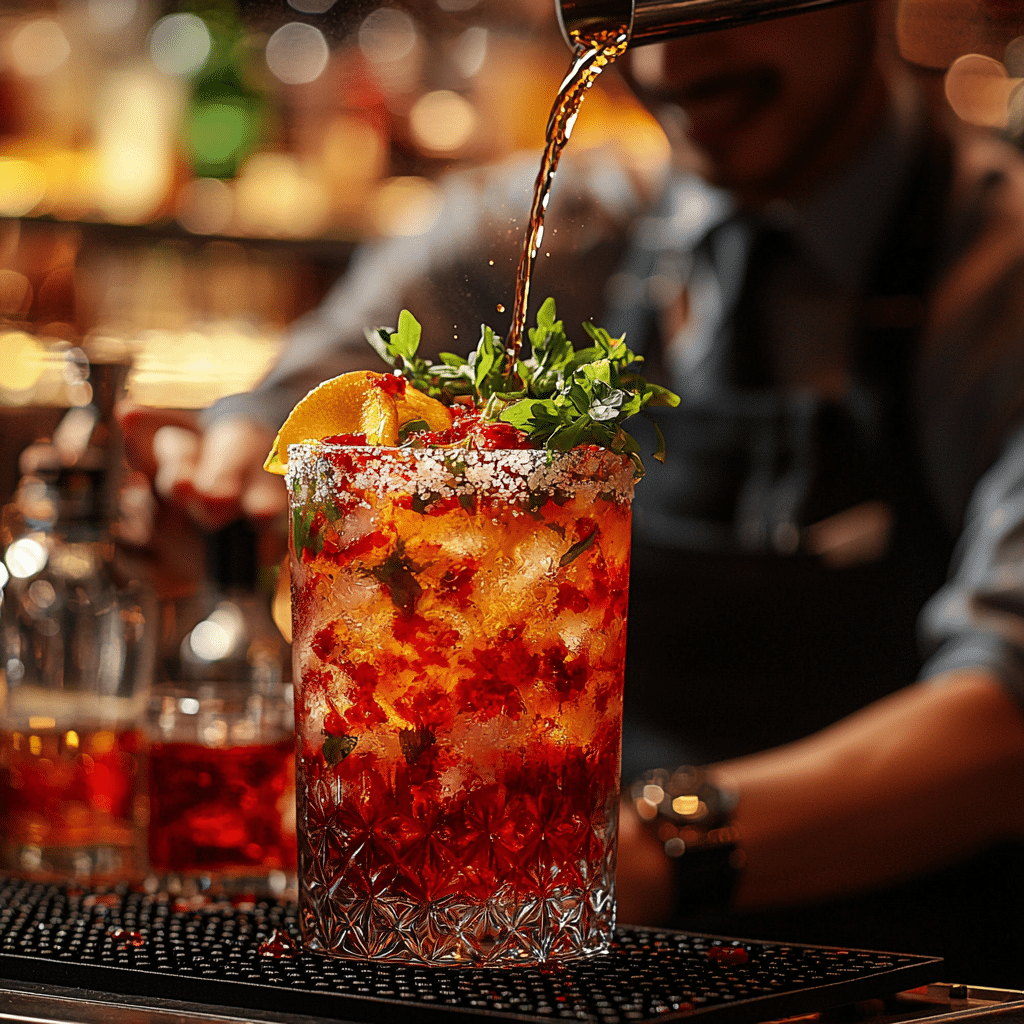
908, 784
912, 782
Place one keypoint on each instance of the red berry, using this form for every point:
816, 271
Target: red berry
346, 440
391, 384
728, 954
333, 724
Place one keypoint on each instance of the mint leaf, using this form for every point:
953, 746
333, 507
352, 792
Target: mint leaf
336, 748
657, 395
397, 575
484, 357
406, 340
414, 743
304, 536
559, 396
578, 548
411, 428
607, 402
398, 349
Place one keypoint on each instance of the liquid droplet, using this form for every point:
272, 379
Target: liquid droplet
125, 938
280, 944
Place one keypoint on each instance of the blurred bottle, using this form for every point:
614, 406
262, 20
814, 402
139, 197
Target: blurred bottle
226, 115
76, 657
221, 767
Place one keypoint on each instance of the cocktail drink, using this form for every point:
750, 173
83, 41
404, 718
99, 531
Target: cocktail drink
70, 794
459, 639
222, 811
460, 569
77, 644
221, 776
460, 564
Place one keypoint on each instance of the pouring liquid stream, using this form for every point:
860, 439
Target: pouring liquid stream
593, 53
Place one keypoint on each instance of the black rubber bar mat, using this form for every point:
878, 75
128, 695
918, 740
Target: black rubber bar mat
246, 955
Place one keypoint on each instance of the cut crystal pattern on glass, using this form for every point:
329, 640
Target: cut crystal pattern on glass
561, 906
459, 640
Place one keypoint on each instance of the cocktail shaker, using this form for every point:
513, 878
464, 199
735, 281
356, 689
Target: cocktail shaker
652, 21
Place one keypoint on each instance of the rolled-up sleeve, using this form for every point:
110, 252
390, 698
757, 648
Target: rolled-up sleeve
459, 273
977, 619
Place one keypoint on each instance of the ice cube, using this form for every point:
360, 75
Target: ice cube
577, 631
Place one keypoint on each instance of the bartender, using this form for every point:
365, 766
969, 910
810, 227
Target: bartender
833, 280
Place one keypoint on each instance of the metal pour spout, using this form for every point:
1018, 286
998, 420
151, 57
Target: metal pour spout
655, 20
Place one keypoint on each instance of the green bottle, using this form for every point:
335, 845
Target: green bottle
226, 117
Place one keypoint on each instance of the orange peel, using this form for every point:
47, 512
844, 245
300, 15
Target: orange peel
354, 403
378, 418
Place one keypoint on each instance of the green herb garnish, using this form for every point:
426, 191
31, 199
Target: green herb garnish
336, 748
560, 396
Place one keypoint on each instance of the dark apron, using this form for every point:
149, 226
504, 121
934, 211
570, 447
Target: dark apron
736, 646
739, 639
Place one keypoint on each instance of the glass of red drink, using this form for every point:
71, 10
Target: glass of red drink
70, 795
222, 788
459, 641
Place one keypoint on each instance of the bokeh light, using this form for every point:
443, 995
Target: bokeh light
25, 557
210, 641
39, 47
191, 369
311, 6
470, 51
179, 44
218, 130
387, 35
394, 51
219, 634
22, 186
205, 206
134, 147
300, 203
354, 152
442, 121
978, 89
1013, 57
404, 206
1015, 111
297, 53
22, 361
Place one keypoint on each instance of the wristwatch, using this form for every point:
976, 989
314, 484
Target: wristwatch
692, 817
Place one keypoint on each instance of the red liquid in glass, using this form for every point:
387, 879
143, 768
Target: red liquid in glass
66, 789
458, 712
215, 809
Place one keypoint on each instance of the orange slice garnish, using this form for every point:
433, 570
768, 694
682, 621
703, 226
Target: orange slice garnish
354, 403
414, 405
378, 418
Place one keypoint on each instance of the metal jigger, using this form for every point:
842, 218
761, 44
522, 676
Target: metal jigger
652, 21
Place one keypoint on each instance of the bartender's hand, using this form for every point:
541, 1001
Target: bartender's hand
644, 880
915, 781
912, 782
216, 474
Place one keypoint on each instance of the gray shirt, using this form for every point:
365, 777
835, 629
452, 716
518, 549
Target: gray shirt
966, 387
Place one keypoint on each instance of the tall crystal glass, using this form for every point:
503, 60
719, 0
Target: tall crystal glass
459, 642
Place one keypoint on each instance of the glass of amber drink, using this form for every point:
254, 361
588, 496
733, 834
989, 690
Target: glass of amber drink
459, 640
